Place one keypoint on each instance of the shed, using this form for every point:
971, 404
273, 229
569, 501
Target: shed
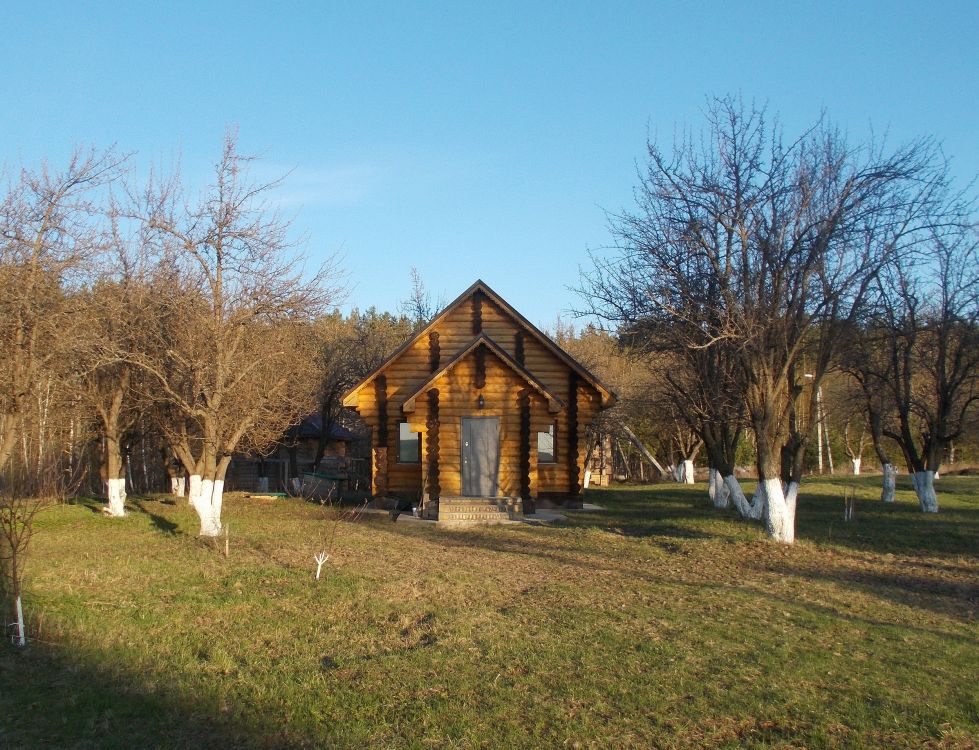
294, 454
479, 407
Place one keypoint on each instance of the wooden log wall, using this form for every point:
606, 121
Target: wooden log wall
458, 397
502, 399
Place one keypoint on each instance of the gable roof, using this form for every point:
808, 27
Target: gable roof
607, 396
554, 404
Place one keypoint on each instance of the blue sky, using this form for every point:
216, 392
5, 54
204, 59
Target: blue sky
468, 139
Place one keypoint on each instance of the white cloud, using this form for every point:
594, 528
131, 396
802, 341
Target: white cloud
343, 186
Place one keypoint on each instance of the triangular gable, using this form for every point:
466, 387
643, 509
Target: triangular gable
608, 397
554, 404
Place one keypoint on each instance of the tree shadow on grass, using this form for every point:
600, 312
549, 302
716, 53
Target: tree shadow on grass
162, 523
891, 528
525, 542
880, 528
93, 504
61, 703
948, 596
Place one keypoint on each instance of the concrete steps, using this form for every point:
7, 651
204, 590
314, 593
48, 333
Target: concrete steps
478, 511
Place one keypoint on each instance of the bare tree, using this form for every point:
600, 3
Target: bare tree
47, 238
234, 350
854, 444
917, 355
420, 308
117, 311
17, 513
768, 246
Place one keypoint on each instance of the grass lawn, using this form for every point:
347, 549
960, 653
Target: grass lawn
657, 623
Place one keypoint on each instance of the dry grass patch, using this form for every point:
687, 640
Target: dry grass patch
657, 623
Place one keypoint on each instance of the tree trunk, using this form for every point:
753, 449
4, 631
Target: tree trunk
686, 472
194, 490
115, 481
924, 487
779, 512
116, 495
791, 499
890, 483
177, 486
720, 494
20, 639
752, 510
210, 500
208, 506
856, 466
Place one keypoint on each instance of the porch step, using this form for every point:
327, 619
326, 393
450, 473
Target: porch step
475, 511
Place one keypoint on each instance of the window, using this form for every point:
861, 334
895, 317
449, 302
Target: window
545, 446
409, 445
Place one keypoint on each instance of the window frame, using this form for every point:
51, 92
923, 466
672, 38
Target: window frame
552, 433
402, 441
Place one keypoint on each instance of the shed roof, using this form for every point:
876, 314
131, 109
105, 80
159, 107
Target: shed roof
312, 427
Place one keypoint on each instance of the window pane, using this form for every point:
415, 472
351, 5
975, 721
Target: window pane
545, 446
409, 445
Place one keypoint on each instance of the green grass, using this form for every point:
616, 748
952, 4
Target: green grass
658, 623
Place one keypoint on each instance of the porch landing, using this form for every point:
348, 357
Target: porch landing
492, 507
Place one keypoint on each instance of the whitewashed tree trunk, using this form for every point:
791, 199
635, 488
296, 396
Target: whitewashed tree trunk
177, 486
752, 510
791, 500
116, 494
720, 495
320, 558
924, 487
890, 483
686, 472
757, 508
217, 500
856, 466
194, 490
21, 638
779, 517
208, 506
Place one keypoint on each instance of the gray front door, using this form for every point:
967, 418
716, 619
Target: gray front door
480, 456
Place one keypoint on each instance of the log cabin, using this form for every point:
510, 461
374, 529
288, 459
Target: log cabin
479, 415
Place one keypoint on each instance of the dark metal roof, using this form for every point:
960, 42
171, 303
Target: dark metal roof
312, 428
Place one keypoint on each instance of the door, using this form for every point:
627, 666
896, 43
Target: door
480, 456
